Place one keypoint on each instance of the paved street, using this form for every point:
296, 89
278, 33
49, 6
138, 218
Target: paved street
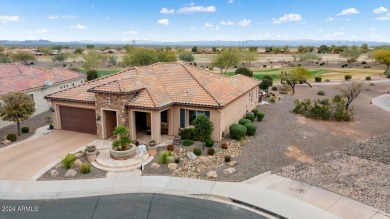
126, 206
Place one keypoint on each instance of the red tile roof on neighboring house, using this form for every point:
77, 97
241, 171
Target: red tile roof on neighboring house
18, 77
164, 84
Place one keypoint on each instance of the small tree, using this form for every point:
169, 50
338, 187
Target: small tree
248, 56
383, 56
226, 58
61, 57
112, 60
244, 71
351, 53
194, 49
265, 84
298, 75
90, 46
323, 49
186, 57
78, 50
351, 91
92, 60
122, 138
18, 106
24, 57
203, 127
92, 74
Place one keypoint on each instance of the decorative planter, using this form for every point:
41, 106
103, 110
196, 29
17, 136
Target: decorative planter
176, 140
152, 150
91, 156
90, 148
124, 155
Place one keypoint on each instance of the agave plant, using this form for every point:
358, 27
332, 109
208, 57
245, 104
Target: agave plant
122, 138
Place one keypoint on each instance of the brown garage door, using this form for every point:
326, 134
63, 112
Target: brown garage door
78, 119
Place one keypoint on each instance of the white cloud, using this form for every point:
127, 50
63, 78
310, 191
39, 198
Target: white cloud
288, 18
167, 11
348, 11
383, 18
329, 19
244, 23
230, 1
227, 23
40, 31
130, 32
193, 9
78, 26
379, 10
207, 25
53, 17
264, 36
6, 19
163, 22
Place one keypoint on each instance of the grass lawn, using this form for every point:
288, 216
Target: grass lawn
331, 73
275, 72
102, 72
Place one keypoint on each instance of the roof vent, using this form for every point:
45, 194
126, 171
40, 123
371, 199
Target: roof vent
47, 84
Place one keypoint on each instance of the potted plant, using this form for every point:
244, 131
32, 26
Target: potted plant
91, 153
152, 148
48, 120
122, 148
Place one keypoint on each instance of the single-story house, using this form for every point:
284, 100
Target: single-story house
36, 82
154, 100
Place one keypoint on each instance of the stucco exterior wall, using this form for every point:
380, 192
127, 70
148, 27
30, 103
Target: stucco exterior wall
41, 105
236, 109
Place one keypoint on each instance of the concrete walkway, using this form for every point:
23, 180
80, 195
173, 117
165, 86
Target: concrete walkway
24, 159
253, 194
382, 101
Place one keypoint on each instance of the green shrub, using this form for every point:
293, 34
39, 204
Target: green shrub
92, 74
368, 78
364, 62
25, 129
227, 158
243, 121
283, 92
367, 66
321, 93
69, 160
187, 142
251, 129
260, 116
237, 131
12, 137
197, 151
244, 71
85, 168
250, 117
211, 151
274, 88
177, 159
348, 77
317, 79
337, 98
325, 102
164, 156
255, 112
272, 100
187, 133
327, 80
209, 142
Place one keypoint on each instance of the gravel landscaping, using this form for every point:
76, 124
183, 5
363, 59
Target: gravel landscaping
95, 173
361, 172
33, 123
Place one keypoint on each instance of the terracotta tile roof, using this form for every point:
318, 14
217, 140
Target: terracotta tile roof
18, 77
163, 84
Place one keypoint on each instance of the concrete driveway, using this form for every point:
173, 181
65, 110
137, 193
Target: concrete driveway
23, 161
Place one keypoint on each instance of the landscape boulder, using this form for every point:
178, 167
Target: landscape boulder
5, 141
77, 162
203, 159
191, 155
155, 165
232, 163
212, 174
229, 170
70, 173
53, 173
172, 166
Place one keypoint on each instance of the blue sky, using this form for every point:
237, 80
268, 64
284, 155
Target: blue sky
174, 20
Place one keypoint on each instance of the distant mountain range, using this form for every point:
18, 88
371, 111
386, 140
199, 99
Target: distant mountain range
217, 43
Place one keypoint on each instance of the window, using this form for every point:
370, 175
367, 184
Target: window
195, 113
32, 97
164, 116
182, 118
73, 84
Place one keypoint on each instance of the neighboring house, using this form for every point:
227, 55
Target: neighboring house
154, 100
36, 82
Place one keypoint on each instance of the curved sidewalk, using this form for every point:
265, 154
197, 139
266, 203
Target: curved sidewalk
382, 101
252, 195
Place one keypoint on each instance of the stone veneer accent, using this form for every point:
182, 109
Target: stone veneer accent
117, 102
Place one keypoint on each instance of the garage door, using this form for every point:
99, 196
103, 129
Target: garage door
78, 119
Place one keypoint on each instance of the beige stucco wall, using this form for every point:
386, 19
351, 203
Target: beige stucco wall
56, 106
236, 109
41, 104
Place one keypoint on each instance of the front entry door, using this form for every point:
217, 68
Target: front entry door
110, 122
